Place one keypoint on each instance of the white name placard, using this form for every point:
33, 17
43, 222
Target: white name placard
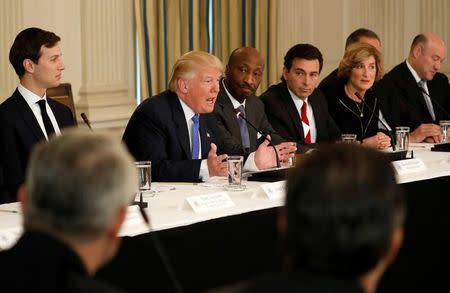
409, 166
210, 202
274, 190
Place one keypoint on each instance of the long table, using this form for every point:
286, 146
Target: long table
211, 249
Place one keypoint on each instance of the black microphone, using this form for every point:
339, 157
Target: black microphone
162, 254
86, 120
391, 135
239, 114
435, 102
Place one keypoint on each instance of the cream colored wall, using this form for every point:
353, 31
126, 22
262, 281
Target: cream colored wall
327, 23
97, 40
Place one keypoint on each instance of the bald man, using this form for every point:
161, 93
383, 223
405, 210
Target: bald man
414, 93
243, 74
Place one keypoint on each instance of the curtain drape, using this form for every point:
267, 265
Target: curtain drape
167, 29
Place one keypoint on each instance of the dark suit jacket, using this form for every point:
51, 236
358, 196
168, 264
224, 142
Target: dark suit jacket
329, 82
19, 133
228, 125
402, 100
346, 113
300, 282
40, 263
284, 117
157, 132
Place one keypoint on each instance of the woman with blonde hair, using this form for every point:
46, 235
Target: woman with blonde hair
352, 103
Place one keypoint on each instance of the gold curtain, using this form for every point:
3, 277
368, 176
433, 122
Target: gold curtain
252, 23
166, 29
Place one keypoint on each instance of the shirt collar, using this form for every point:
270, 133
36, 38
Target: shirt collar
413, 72
30, 97
294, 97
188, 113
235, 102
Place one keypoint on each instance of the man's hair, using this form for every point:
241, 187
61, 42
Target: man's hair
357, 53
27, 45
419, 39
189, 64
77, 183
342, 205
355, 36
303, 51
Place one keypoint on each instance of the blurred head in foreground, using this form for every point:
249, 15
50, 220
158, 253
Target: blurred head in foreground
344, 214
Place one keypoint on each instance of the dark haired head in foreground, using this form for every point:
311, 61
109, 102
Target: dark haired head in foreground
342, 223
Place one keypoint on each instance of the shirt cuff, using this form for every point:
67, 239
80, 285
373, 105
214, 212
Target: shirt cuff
204, 172
250, 165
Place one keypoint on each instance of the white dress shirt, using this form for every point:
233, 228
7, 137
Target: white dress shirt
32, 99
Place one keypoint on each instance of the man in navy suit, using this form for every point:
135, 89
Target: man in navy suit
28, 116
284, 101
174, 129
415, 94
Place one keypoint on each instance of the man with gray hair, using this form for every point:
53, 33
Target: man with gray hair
78, 187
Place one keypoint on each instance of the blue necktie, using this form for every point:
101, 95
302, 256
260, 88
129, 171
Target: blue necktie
195, 137
245, 138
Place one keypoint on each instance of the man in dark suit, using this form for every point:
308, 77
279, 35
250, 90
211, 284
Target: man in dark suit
361, 35
243, 75
414, 93
174, 129
28, 116
74, 201
284, 101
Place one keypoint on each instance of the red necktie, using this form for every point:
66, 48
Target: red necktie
306, 121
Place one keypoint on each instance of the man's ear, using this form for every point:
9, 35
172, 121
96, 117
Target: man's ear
183, 85
285, 72
418, 50
22, 194
28, 65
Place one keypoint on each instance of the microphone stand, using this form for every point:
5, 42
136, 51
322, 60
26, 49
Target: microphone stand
277, 158
162, 253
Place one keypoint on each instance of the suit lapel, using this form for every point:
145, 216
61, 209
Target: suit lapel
292, 111
228, 113
27, 115
414, 91
180, 124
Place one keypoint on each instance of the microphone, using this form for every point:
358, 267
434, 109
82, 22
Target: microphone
391, 135
435, 102
239, 114
86, 120
162, 254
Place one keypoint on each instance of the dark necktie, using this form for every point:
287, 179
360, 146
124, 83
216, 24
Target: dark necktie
195, 137
427, 99
306, 121
245, 138
47, 123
